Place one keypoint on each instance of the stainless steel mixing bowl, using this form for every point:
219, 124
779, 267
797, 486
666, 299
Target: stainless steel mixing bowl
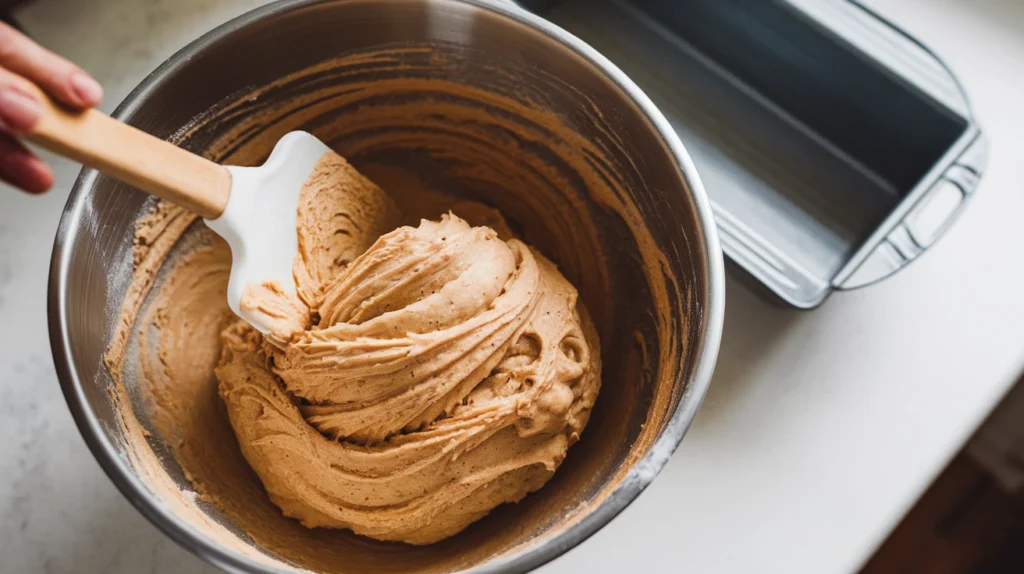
646, 403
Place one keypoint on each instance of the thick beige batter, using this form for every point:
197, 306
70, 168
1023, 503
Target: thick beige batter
426, 376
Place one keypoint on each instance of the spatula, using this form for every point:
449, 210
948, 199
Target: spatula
253, 208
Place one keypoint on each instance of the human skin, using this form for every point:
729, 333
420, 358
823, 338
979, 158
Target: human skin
23, 61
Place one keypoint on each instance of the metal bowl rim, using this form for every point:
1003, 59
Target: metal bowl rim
524, 560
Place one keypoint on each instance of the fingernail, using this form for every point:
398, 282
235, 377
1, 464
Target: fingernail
18, 110
88, 90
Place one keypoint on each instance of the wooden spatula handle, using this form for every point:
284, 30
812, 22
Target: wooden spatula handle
132, 156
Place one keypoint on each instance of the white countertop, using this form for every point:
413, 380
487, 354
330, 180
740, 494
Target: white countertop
821, 428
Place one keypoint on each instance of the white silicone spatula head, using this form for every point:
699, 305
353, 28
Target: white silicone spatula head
259, 220
253, 208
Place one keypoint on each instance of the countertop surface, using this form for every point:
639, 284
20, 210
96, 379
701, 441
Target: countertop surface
820, 430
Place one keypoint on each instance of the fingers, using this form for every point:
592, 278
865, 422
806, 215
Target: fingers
21, 59
60, 78
19, 110
19, 113
21, 168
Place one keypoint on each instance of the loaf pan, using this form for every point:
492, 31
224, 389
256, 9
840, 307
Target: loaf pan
835, 147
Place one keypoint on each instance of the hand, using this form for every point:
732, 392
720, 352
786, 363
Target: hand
19, 111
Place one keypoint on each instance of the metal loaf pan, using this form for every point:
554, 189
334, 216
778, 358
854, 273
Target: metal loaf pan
835, 147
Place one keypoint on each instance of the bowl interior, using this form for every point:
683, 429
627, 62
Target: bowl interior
445, 95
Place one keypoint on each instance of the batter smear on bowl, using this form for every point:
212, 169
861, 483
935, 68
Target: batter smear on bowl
420, 377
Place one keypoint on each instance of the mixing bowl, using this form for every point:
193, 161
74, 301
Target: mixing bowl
490, 102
